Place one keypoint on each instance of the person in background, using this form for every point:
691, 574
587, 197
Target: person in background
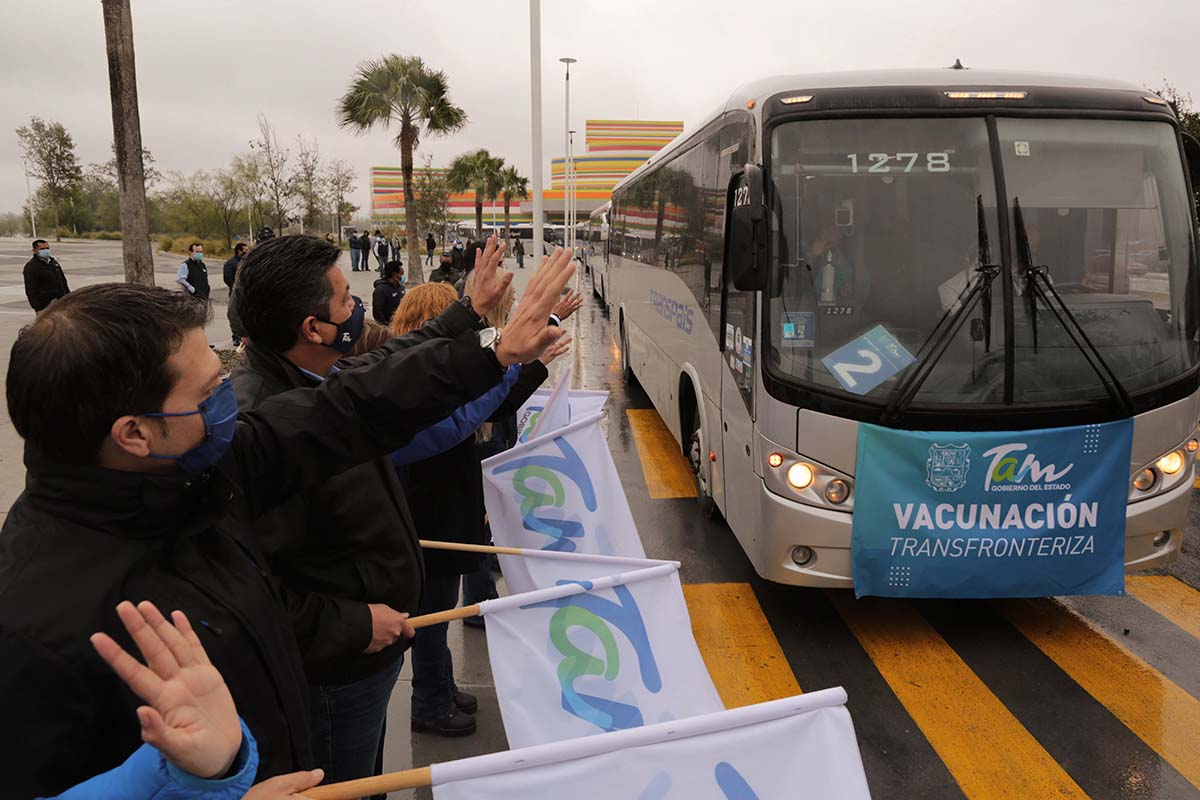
445, 272
44, 278
328, 237
229, 271
354, 251
195, 747
430, 244
445, 494
192, 274
519, 252
230, 276
458, 257
364, 251
144, 478
396, 246
389, 291
468, 262
381, 249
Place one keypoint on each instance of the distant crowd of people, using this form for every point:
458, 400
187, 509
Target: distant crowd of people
273, 515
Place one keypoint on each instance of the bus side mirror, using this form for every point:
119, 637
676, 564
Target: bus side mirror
1191, 149
746, 242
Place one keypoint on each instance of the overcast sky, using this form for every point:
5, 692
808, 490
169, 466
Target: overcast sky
207, 67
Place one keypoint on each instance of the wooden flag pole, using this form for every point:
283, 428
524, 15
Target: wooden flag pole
366, 787
471, 548
425, 620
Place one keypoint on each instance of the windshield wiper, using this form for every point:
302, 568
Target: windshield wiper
935, 345
1038, 284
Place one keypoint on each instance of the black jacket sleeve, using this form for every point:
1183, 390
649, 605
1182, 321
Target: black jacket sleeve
299, 438
532, 376
327, 628
451, 323
33, 286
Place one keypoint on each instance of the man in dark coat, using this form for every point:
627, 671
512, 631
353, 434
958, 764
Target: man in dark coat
44, 278
144, 482
192, 274
389, 291
230, 275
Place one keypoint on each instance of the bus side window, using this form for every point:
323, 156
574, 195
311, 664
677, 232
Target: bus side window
738, 306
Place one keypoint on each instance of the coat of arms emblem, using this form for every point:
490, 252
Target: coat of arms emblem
946, 468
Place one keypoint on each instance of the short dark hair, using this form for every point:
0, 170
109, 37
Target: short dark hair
281, 282
36, 242
239, 247
194, 245
392, 267
92, 357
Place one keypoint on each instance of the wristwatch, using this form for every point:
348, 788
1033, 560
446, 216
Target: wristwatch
489, 340
465, 302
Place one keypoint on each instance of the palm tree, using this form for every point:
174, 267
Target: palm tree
513, 186
402, 91
480, 171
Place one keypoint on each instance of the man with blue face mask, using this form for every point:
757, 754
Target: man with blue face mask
44, 278
388, 292
144, 481
192, 274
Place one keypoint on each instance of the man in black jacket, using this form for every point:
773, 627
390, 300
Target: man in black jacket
349, 545
143, 482
230, 276
44, 278
389, 291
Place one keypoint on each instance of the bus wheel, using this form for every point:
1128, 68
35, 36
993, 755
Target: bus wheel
626, 368
708, 506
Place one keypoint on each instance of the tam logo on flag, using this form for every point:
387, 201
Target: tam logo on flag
583, 403
796, 747
596, 656
560, 492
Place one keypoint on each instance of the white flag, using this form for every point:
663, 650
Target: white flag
560, 493
597, 656
799, 747
557, 413
582, 402
543, 569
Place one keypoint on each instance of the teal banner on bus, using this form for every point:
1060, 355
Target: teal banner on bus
991, 514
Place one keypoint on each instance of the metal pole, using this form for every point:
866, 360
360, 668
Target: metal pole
571, 185
567, 154
29, 200
535, 94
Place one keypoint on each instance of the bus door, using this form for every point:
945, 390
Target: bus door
738, 356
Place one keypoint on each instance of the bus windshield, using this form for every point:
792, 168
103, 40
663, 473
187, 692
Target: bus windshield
883, 227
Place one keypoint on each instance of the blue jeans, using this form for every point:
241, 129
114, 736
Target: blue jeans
348, 725
521, 261
433, 686
354, 259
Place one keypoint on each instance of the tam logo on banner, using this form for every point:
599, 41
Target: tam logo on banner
582, 402
796, 747
596, 656
991, 514
559, 492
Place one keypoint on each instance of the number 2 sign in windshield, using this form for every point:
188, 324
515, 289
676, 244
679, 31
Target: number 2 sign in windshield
868, 361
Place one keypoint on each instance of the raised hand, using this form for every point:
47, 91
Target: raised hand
568, 305
555, 350
190, 716
528, 333
490, 280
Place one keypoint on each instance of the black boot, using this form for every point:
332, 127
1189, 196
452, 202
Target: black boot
451, 725
466, 703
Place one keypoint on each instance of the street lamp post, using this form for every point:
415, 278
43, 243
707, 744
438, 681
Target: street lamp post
571, 184
29, 200
567, 145
535, 106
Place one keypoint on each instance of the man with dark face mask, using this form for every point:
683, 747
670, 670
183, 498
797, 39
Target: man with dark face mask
145, 481
44, 278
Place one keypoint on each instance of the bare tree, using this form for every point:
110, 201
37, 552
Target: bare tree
307, 181
127, 141
247, 170
339, 182
224, 193
273, 160
50, 151
149, 169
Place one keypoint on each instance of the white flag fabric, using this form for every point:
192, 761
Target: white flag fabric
559, 493
544, 569
582, 403
799, 747
596, 656
557, 413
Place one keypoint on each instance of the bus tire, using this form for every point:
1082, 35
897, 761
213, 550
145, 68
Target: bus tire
626, 367
708, 506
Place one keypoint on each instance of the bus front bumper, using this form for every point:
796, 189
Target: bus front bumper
1153, 537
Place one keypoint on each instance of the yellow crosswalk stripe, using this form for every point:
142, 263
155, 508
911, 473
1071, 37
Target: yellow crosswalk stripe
666, 470
988, 751
739, 648
1170, 597
1152, 706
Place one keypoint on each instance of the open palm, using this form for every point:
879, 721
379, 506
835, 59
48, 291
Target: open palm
190, 715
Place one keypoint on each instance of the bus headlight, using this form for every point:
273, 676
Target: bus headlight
836, 491
1145, 480
1171, 463
800, 476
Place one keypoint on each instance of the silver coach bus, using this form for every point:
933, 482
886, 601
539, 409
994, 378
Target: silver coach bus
1030, 238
